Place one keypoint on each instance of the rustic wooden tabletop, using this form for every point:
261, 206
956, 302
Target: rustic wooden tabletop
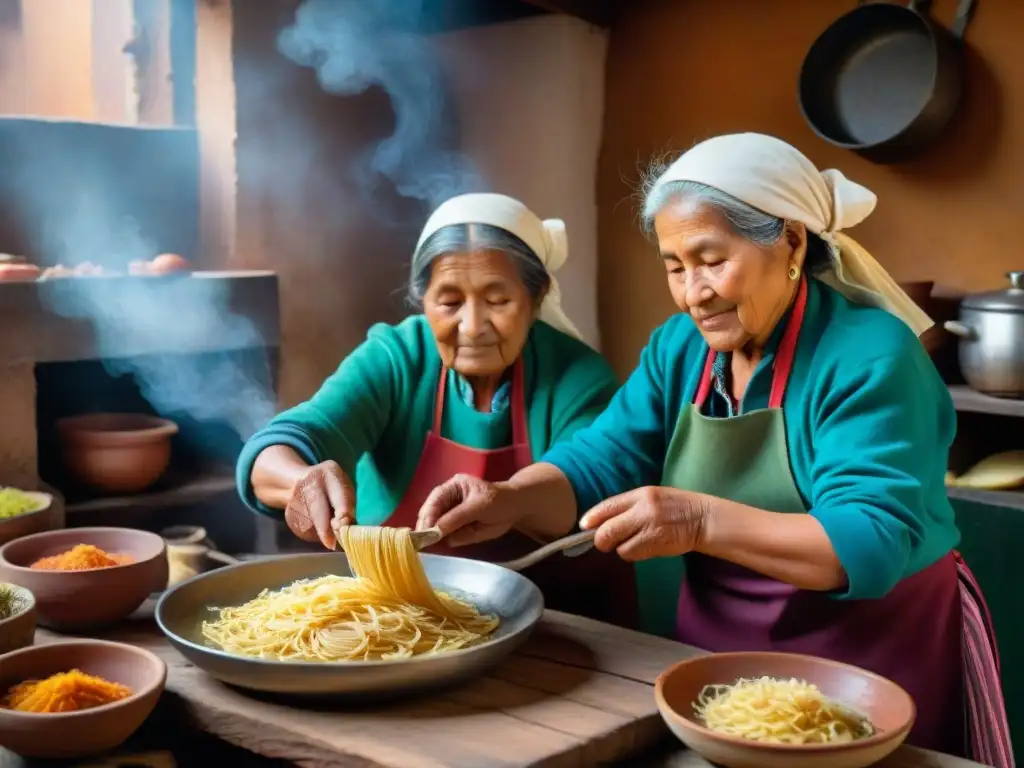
578, 693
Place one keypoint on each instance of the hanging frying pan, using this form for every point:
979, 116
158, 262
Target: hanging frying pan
884, 80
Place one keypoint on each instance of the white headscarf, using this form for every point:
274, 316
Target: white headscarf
546, 238
770, 175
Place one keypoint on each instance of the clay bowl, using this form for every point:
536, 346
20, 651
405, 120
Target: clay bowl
116, 452
39, 519
75, 600
68, 735
19, 629
889, 707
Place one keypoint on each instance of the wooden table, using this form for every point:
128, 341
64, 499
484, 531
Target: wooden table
579, 693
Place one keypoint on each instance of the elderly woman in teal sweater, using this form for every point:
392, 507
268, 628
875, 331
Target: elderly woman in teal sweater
774, 466
490, 376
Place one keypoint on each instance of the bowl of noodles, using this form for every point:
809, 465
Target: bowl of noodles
782, 710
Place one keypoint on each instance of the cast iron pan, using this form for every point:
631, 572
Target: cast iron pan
884, 80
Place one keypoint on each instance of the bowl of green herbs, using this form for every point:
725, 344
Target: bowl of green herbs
17, 617
23, 512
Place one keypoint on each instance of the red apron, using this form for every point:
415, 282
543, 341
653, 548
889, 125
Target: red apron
928, 633
595, 585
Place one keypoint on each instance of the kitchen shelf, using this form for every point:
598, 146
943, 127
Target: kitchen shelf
1007, 499
968, 401
191, 490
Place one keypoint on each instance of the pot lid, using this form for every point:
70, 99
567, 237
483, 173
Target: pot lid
1008, 300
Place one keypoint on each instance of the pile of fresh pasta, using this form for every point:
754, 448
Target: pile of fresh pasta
388, 610
776, 711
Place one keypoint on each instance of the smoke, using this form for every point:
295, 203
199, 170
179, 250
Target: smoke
73, 209
355, 45
160, 325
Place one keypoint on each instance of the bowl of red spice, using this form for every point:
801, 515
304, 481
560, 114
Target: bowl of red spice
76, 698
84, 578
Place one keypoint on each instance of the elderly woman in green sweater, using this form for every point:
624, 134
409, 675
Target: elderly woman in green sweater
490, 376
774, 466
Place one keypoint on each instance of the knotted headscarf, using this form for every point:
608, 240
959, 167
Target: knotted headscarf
774, 177
546, 238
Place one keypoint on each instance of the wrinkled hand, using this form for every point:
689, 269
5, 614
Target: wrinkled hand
321, 500
649, 522
468, 510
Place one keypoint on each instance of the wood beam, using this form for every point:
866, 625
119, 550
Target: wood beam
597, 12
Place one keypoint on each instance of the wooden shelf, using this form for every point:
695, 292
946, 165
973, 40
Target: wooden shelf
192, 491
968, 401
1007, 499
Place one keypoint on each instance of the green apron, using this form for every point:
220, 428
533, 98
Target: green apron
743, 459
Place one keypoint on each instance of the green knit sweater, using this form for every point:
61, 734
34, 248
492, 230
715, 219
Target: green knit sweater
373, 414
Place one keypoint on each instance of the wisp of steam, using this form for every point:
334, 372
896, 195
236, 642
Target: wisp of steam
355, 45
153, 319
139, 324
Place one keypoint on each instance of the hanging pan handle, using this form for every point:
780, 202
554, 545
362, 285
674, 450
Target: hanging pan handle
963, 18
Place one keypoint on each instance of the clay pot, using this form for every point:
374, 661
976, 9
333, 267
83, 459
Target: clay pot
889, 708
69, 735
39, 519
116, 452
76, 600
19, 630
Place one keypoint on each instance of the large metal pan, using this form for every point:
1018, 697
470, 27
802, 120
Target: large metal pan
491, 588
884, 80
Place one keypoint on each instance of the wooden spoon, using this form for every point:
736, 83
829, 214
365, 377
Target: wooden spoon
420, 539
573, 545
428, 537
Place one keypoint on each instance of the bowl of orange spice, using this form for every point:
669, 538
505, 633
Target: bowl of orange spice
77, 698
84, 578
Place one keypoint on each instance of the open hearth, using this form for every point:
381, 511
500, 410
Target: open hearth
199, 348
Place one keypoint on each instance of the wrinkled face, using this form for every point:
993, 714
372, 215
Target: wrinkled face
736, 291
479, 310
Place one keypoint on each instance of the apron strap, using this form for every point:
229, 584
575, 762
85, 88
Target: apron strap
520, 431
784, 357
786, 353
442, 388
704, 388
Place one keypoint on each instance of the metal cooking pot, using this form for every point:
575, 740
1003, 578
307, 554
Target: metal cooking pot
991, 333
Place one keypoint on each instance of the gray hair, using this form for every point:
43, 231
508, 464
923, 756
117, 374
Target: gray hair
755, 225
467, 238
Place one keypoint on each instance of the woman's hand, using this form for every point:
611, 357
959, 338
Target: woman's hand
468, 510
649, 522
322, 499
